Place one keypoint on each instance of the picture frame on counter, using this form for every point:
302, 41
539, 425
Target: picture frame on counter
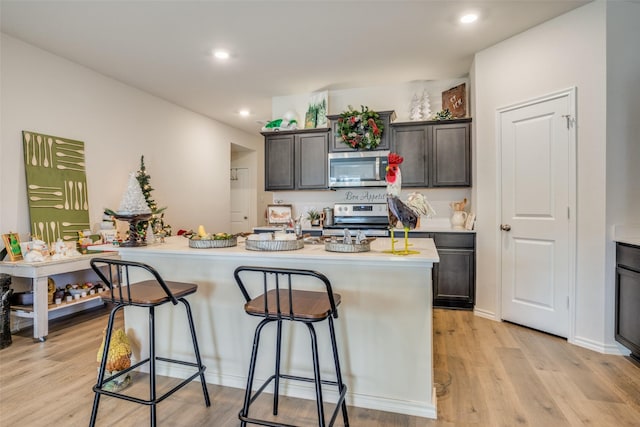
279, 214
470, 222
12, 245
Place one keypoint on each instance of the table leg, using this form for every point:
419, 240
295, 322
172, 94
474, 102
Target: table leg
40, 308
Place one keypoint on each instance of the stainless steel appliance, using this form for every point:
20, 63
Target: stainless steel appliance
372, 218
358, 169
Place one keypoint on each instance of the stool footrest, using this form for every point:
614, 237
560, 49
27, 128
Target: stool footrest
123, 396
341, 398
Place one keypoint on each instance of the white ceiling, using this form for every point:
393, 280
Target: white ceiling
278, 48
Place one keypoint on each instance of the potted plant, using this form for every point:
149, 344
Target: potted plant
313, 216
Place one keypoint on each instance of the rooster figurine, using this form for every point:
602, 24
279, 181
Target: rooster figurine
408, 212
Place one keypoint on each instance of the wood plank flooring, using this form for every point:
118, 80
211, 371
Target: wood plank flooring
498, 374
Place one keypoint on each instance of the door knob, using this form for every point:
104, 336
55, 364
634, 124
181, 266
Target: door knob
505, 227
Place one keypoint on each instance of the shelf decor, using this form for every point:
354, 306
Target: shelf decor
360, 130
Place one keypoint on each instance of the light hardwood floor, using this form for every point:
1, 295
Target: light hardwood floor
500, 375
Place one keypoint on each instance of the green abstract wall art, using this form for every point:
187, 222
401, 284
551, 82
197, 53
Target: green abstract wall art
56, 186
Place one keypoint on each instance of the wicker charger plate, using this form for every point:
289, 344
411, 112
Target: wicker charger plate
206, 244
274, 245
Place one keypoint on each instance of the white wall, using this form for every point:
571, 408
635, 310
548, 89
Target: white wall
564, 52
186, 154
623, 131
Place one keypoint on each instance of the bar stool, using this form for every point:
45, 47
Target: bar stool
281, 299
147, 294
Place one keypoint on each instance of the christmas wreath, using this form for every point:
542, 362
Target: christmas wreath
360, 130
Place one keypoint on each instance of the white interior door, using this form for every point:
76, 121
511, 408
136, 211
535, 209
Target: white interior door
240, 200
535, 142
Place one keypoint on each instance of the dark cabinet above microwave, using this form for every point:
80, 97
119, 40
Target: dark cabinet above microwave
296, 160
336, 144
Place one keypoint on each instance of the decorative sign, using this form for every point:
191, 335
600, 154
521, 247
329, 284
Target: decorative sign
56, 186
365, 196
455, 100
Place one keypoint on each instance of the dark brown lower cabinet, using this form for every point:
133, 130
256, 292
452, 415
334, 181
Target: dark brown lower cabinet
628, 298
454, 277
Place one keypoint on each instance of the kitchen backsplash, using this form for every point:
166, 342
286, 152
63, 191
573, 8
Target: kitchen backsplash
303, 201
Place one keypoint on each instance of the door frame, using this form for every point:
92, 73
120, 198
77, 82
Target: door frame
571, 93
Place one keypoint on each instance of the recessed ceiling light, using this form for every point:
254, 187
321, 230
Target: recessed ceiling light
469, 18
221, 54
244, 113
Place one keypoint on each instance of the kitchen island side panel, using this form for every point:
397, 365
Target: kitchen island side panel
383, 330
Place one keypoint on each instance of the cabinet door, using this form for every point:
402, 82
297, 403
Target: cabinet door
412, 143
454, 278
451, 155
627, 329
279, 162
311, 161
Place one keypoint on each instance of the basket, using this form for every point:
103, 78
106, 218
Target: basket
206, 244
330, 246
274, 245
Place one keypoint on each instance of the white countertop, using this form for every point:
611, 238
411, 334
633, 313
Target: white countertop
178, 245
629, 234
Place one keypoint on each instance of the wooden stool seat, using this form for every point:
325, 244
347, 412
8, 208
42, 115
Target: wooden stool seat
149, 293
309, 305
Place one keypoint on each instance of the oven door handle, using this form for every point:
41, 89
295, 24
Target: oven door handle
377, 168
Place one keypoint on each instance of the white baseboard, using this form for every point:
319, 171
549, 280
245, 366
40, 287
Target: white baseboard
307, 391
603, 348
486, 314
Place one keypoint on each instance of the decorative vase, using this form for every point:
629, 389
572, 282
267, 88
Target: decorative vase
458, 219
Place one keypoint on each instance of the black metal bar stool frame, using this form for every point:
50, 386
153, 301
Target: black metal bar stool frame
277, 307
121, 296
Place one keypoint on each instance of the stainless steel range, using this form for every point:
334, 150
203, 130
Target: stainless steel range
372, 218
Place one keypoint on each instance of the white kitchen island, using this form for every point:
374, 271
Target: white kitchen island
384, 329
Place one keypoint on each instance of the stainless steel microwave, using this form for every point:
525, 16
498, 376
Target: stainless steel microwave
358, 169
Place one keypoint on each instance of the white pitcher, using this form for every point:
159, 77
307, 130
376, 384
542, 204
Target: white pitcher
458, 218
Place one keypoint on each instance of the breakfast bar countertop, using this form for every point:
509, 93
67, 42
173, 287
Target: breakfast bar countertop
384, 329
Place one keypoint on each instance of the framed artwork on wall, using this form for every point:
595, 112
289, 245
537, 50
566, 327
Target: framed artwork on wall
56, 186
279, 214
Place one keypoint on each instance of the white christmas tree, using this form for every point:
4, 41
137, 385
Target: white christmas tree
426, 105
415, 110
133, 202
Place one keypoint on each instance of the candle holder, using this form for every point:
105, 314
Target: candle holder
135, 239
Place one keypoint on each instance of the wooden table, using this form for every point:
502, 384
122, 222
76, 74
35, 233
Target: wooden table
39, 273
